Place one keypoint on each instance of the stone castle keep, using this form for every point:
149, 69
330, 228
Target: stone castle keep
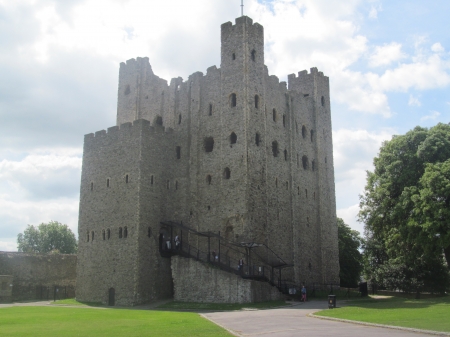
233, 151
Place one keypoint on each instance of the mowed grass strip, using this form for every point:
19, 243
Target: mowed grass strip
426, 314
64, 321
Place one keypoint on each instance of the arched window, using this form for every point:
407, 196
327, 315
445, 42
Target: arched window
126, 179
298, 160
233, 100
304, 131
257, 139
107, 182
92, 186
274, 115
103, 235
208, 144
120, 232
125, 232
176, 184
312, 135
276, 182
313, 165
233, 138
168, 184
151, 180
233, 56
87, 236
287, 185
305, 162
275, 148
285, 155
210, 109
227, 173
92, 236
306, 193
108, 233
256, 101
158, 121
298, 190
178, 150
179, 119
208, 179
253, 55
322, 100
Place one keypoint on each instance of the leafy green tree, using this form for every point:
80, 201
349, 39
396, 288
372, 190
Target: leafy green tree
47, 237
405, 207
350, 258
432, 207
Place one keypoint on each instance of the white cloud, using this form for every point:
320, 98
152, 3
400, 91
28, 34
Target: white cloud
414, 101
374, 9
8, 245
386, 54
354, 151
349, 215
432, 116
38, 187
437, 48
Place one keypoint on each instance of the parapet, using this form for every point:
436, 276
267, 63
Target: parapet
134, 64
303, 73
242, 20
125, 130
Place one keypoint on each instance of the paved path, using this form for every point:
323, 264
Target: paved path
293, 321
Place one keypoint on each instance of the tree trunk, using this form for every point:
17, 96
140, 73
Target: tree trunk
447, 255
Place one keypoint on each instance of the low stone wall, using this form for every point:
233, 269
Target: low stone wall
195, 281
39, 276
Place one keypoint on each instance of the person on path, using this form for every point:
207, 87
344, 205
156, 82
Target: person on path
303, 293
241, 265
177, 242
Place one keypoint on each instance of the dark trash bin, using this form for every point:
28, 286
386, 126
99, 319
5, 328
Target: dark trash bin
331, 301
363, 289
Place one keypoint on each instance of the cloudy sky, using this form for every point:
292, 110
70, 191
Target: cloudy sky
388, 63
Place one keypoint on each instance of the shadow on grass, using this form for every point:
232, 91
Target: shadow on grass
220, 306
73, 301
390, 302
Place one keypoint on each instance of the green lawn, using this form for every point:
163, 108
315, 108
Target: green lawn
427, 314
63, 321
221, 306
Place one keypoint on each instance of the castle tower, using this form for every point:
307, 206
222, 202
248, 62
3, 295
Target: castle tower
233, 151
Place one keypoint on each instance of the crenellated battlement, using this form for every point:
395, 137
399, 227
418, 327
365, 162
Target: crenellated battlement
126, 130
135, 64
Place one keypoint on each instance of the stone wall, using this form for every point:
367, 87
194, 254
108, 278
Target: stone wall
32, 272
6, 288
195, 281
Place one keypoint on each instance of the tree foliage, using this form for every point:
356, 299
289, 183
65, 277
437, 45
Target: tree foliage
47, 237
350, 258
405, 208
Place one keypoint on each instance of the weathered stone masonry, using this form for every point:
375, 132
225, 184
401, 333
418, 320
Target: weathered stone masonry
234, 150
28, 272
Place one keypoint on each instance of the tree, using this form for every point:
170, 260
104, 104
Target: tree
405, 207
47, 237
350, 259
